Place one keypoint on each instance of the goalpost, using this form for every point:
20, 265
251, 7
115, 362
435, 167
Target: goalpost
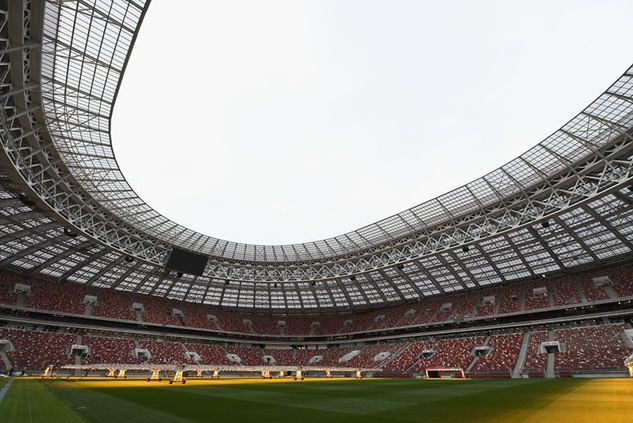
444, 373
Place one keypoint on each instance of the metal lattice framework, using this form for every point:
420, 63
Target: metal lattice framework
563, 204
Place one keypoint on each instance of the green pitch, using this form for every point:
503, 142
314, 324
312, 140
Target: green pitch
322, 401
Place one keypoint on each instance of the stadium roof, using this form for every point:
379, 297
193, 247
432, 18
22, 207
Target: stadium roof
67, 211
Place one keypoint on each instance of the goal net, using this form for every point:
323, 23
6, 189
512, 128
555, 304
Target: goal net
444, 373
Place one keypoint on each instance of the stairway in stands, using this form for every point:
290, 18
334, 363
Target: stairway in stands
518, 367
551, 357
4, 358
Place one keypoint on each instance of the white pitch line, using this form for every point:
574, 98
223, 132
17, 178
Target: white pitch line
5, 388
28, 397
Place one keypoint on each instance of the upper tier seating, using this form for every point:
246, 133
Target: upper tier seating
7, 283
623, 278
114, 304
510, 298
397, 316
592, 293
426, 310
564, 291
298, 325
158, 310
487, 309
464, 305
533, 302
196, 316
231, 321
64, 297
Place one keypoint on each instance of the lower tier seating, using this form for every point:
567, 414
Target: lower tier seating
597, 348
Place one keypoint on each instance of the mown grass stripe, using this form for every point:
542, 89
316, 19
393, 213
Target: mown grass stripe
28, 401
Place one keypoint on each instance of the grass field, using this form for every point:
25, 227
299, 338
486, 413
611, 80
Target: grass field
371, 401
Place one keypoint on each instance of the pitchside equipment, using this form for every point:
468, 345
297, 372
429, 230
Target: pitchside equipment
629, 364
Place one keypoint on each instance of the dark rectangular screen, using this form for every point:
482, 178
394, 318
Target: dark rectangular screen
187, 262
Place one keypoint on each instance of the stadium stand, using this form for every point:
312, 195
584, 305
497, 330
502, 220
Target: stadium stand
114, 304
195, 315
158, 310
374, 355
510, 298
108, 350
564, 291
249, 356
488, 308
535, 360
35, 350
623, 277
164, 352
504, 351
465, 305
46, 296
209, 354
455, 352
332, 356
592, 348
534, 300
117, 305
411, 354
537, 251
7, 283
591, 292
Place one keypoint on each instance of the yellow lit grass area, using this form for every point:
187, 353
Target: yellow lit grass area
241, 399
593, 400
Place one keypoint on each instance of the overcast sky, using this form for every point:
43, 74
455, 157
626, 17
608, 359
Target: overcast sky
288, 121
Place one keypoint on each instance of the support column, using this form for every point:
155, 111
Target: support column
299, 375
199, 373
112, 373
359, 374
328, 374
282, 374
216, 374
122, 373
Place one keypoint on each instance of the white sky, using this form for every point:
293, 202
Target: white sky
284, 121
